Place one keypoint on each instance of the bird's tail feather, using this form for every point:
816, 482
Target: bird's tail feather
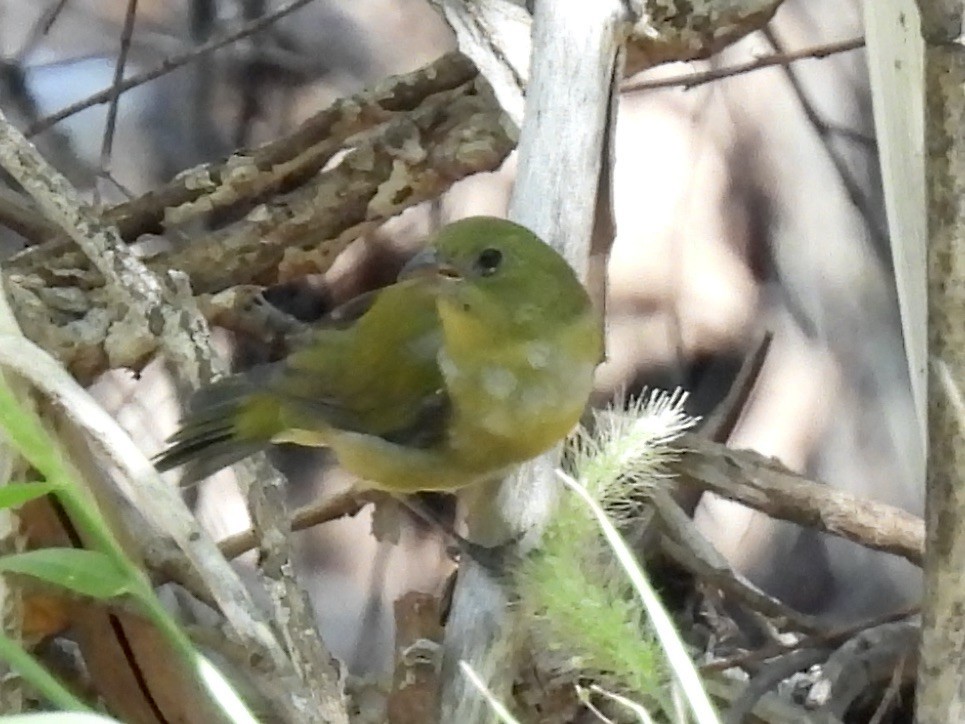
209, 438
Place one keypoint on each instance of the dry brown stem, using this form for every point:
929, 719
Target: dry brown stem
765, 484
692, 80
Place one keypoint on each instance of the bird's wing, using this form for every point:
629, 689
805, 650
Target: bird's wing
377, 374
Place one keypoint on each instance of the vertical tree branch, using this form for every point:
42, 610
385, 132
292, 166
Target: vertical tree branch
562, 152
941, 689
107, 143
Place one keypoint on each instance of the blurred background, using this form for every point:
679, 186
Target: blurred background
748, 204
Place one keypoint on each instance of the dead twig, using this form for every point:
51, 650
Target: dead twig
107, 143
719, 425
828, 638
685, 545
890, 695
765, 484
692, 80
341, 506
859, 198
172, 63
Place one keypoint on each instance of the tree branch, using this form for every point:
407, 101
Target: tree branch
941, 684
677, 30
62, 303
765, 484
692, 80
563, 155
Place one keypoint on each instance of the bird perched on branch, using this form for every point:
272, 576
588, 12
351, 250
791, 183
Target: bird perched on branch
479, 357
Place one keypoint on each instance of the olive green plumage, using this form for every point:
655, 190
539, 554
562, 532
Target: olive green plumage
481, 356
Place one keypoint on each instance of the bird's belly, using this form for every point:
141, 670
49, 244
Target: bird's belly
395, 468
506, 415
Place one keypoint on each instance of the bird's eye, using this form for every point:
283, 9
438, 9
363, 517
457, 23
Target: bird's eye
489, 261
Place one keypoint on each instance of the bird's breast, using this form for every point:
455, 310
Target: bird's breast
511, 405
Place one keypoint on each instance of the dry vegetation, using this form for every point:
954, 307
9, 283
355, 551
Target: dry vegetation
221, 173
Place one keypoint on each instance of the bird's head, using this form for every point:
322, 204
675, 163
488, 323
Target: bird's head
499, 273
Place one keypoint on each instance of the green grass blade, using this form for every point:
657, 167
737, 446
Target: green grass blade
89, 573
14, 495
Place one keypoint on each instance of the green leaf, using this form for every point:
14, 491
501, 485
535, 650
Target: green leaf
16, 494
86, 572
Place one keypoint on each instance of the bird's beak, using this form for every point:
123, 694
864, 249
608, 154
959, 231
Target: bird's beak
428, 264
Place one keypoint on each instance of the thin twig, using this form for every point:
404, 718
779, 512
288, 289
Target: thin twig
344, 505
721, 422
107, 143
891, 693
172, 63
125, 191
825, 132
685, 544
828, 638
168, 564
692, 80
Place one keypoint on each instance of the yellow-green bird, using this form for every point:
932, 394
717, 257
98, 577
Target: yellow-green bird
479, 357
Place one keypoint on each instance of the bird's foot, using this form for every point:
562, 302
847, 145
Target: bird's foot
495, 559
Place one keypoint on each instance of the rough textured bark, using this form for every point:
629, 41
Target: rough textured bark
675, 30
941, 691
61, 301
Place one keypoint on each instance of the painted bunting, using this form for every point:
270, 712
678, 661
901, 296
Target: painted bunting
479, 357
